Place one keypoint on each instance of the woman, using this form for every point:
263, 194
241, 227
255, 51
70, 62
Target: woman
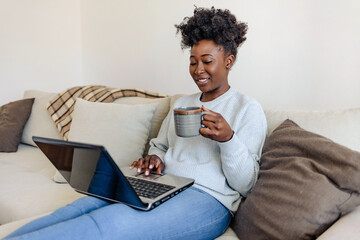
223, 160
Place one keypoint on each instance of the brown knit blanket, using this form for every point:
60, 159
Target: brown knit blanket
61, 106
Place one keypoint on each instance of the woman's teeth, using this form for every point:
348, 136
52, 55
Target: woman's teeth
202, 80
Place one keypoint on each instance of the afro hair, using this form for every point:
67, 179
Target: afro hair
213, 24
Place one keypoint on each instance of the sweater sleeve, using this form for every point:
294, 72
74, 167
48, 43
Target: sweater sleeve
240, 155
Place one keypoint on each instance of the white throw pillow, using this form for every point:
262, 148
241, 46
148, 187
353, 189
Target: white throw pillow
40, 122
161, 112
123, 129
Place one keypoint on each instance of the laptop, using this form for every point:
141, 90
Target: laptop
90, 170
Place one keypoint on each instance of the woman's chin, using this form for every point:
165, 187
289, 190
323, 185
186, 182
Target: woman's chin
203, 87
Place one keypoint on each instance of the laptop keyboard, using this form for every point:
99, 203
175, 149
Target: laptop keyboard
148, 189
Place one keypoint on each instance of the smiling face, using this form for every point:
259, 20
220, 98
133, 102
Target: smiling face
209, 67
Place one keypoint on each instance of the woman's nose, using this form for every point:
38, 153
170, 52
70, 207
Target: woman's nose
199, 69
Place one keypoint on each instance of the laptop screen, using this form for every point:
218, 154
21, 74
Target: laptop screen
90, 169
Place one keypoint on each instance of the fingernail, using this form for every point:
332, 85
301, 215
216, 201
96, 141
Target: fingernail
138, 170
147, 172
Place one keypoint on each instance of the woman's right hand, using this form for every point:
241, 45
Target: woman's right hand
147, 164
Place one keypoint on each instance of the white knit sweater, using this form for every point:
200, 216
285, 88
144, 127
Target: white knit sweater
228, 170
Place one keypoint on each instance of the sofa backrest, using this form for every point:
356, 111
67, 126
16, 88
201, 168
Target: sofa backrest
341, 126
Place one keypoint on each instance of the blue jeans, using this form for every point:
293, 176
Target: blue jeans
193, 214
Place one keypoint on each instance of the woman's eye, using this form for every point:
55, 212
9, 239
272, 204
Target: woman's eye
192, 64
208, 62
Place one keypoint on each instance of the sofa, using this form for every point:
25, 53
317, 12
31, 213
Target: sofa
29, 189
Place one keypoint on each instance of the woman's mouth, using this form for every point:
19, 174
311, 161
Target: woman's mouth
202, 80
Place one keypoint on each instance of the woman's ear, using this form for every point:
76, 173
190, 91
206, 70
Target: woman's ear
229, 61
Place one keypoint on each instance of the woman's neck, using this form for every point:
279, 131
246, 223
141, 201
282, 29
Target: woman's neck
210, 96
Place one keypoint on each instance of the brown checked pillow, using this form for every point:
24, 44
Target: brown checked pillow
13, 117
305, 183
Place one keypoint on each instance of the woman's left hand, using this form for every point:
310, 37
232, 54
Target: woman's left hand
215, 126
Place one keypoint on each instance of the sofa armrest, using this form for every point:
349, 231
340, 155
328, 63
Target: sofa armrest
347, 227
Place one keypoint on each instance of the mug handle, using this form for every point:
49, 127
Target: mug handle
202, 116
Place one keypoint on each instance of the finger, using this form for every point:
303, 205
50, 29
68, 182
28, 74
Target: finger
208, 124
157, 162
134, 164
160, 168
152, 162
213, 117
208, 111
140, 165
207, 132
211, 120
146, 161
146, 166
217, 134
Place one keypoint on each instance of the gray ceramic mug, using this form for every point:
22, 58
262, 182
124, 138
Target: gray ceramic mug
188, 121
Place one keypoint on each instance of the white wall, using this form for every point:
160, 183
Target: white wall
300, 54
132, 44
40, 46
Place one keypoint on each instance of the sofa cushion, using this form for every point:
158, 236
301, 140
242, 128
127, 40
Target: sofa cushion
8, 228
13, 117
26, 186
40, 122
123, 129
306, 182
